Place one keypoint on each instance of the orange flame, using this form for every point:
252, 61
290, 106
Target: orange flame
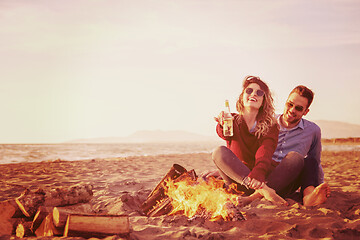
191, 198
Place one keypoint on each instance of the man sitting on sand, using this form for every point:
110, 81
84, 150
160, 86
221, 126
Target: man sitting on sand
299, 151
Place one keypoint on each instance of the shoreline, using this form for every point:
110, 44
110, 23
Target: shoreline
71, 152
106, 158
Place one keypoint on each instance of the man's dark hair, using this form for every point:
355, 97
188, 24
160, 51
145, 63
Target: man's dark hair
304, 92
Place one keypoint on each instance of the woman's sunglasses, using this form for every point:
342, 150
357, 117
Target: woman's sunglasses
297, 107
258, 92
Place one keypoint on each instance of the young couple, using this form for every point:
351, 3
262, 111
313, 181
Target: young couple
272, 156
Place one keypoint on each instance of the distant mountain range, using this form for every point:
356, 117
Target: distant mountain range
329, 129
334, 129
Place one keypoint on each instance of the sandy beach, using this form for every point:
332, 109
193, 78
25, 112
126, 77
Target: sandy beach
120, 185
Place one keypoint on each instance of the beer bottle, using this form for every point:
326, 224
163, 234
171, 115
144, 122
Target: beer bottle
228, 121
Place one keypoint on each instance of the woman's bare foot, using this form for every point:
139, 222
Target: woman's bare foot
314, 196
245, 200
270, 195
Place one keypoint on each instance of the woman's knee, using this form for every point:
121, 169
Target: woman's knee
218, 153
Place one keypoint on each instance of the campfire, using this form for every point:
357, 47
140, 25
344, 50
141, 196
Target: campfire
182, 192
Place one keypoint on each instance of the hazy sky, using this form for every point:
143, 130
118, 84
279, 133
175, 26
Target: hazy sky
85, 68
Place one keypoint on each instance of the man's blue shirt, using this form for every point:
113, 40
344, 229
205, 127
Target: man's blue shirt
305, 139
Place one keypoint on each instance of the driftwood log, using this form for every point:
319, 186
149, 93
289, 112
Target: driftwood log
47, 228
60, 216
98, 226
79, 193
24, 229
9, 214
30, 206
29, 202
40, 217
9, 209
6, 227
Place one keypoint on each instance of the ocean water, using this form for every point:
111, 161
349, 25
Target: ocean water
16, 153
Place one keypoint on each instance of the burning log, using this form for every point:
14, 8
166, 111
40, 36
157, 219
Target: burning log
233, 213
189, 176
175, 171
158, 203
157, 194
164, 207
98, 226
152, 200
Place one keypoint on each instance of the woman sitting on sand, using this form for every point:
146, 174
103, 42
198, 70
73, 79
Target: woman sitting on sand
247, 159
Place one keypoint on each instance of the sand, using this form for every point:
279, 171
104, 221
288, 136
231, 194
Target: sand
122, 184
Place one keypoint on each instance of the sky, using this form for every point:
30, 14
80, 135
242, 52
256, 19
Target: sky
90, 68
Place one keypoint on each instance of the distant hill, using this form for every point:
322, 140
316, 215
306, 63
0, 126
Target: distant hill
152, 136
164, 136
334, 129
329, 129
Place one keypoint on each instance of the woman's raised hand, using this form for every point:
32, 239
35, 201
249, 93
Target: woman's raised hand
220, 118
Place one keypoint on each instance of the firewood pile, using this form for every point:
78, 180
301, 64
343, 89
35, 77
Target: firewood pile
44, 213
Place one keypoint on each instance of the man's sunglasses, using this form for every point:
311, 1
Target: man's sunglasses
258, 92
297, 107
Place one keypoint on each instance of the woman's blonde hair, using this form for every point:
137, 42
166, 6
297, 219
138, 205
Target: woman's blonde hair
266, 115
